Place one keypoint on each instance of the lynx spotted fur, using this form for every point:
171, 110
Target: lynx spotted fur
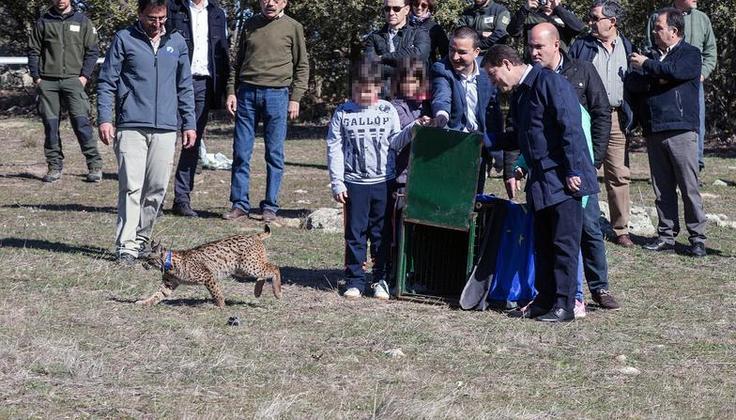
237, 256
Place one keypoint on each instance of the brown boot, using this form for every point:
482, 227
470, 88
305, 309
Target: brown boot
624, 241
235, 213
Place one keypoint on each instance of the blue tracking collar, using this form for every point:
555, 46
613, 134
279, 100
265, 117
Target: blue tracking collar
167, 262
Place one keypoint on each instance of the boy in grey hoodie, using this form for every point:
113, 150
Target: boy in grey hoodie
361, 168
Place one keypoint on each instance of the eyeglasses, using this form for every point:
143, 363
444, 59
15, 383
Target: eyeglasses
596, 19
153, 19
395, 9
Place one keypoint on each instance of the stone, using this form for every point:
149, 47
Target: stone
291, 222
394, 353
720, 183
327, 219
629, 370
27, 80
621, 358
640, 223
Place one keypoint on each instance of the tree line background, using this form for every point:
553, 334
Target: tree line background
335, 29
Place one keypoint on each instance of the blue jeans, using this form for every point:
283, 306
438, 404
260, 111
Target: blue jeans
257, 103
701, 130
593, 249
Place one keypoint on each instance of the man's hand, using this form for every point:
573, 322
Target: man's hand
440, 121
83, 80
637, 60
573, 183
512, 186
188, 137
702, 78
293, 110
231, 104
554, 3
341, 197
37, 81
532, 4
106, 132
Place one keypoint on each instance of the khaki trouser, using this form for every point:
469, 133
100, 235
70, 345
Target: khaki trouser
617, 176
145, 158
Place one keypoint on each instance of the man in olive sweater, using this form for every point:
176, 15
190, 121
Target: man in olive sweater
62, 51
269, 77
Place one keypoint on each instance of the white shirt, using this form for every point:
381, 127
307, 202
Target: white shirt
470, 84
525, 74
200, 34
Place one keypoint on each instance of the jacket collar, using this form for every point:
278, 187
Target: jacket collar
53, 14
530, 76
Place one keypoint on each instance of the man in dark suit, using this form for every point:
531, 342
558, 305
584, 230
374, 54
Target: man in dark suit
668, 80
203, 25
463, 97
544, 49
545, 114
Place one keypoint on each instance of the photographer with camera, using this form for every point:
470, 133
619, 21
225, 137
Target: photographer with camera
539, 11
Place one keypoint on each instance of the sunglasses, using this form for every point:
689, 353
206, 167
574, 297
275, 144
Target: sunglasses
421, 5
596, 19
395, 9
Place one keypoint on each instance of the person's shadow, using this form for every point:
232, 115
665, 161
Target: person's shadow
86, 250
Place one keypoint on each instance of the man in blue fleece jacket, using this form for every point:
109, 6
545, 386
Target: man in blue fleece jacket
146, 78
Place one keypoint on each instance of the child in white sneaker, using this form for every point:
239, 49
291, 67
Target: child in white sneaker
361, 169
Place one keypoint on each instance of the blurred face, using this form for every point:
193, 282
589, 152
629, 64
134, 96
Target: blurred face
503, 77
366, 94
664, 35
543, 49
62, 5
480, 2
272, 8
601, 27
395, 12
686, 5
420, 7
462, 55
152, 19
410, 87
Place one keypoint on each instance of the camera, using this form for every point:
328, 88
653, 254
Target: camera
543, 3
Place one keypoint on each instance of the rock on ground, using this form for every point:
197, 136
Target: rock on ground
327, 219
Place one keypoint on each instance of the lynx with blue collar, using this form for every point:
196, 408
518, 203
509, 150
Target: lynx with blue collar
238, 256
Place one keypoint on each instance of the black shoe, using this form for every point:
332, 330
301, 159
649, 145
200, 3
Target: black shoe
696, 250
532, 311
127, 260
184, 210
144, 251
659, 246
557, 315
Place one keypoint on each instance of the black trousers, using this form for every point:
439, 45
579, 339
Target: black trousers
557, 231
187, 166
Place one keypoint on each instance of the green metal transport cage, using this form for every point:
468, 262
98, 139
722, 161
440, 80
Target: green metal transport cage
439, 226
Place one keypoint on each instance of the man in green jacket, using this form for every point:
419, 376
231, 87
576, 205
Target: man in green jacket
699, 34
62, 52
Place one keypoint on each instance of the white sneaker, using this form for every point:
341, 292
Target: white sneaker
380, 290
352, 293
579, 309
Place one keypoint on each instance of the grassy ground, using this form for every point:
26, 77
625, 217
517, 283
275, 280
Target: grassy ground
72, 343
